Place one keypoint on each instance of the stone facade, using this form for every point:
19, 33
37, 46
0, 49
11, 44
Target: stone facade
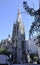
18, 38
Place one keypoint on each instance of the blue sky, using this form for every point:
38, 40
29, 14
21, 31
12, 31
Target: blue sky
8, 16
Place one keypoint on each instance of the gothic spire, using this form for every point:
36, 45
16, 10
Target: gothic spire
19, 17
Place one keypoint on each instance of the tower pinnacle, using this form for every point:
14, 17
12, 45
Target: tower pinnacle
19, 11
19, 17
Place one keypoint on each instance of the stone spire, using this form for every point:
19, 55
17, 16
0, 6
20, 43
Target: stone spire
19, 17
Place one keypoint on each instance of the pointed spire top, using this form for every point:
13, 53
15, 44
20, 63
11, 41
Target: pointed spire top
19, 16
18, 11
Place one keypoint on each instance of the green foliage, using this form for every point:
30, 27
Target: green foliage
36, 24
2, 50
34, 57
38, 37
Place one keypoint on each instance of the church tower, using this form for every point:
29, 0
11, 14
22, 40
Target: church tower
18, 38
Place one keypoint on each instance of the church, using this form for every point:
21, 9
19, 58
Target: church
18, 46
18, 39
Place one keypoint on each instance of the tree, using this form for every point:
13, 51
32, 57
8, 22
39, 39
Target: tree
36, 13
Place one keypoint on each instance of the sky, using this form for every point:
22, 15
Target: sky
8, 16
